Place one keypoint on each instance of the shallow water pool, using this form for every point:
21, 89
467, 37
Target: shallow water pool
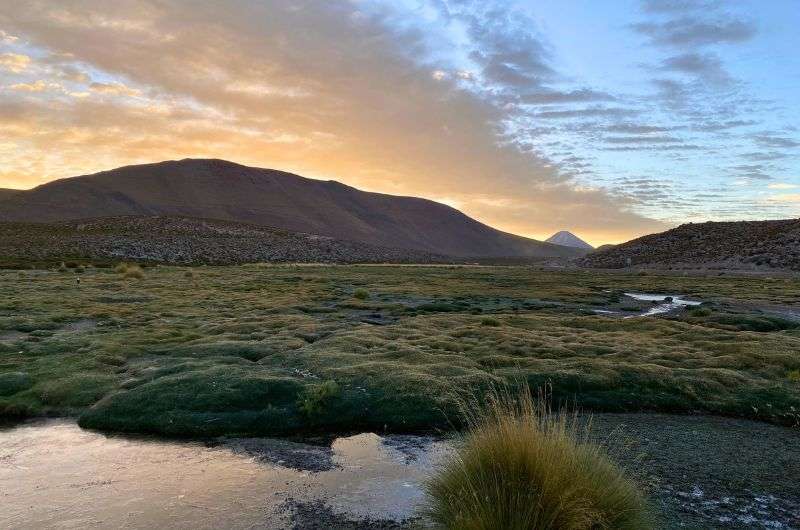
53, 474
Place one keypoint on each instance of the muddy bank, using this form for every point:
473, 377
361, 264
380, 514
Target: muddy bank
713, 472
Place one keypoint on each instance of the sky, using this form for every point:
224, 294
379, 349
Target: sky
608, 118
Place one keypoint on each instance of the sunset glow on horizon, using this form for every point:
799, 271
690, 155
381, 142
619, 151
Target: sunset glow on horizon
608, 119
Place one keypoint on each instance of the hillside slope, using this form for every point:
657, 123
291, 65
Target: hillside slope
216, 189
6, 193
180, 240
742, 245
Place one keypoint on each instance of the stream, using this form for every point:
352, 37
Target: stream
666, 303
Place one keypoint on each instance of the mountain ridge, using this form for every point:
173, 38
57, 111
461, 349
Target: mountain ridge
219, 189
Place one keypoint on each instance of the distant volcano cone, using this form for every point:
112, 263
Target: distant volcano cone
568, 239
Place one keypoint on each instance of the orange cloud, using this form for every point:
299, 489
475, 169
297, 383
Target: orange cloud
14, 62
301, 86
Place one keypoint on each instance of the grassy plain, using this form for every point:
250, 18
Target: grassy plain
282, 349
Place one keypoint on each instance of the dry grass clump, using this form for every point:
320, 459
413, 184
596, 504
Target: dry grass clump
129, 270
522, 466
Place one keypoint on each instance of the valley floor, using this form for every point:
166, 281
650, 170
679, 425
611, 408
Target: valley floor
274, 350
289, 350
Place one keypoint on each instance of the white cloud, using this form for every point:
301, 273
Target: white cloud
14, 62
114, 89
786, 198
7, 38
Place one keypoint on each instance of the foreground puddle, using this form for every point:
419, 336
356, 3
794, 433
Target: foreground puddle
54, 474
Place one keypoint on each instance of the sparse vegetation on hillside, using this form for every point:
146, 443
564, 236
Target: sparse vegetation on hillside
182, 240
746, 245
242, 350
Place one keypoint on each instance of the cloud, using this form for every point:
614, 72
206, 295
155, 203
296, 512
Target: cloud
586, 113
336, 89
770, 140
762, 156
782, 186
663, 148
786, 197
673, 6
14, 62
547, 96
37, 86
704, 66
6, 38
114, 89
690, 31
642, 139
509, 54
634, 128
715, 126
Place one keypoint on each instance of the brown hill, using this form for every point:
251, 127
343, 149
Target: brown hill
217, 189
182, 240
742, 245
6, 193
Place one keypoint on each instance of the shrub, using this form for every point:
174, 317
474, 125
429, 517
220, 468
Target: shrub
121, 268
133, 271
794, 375
314, 398
521, 466
189, 275
489, 321
62, 267
361, 294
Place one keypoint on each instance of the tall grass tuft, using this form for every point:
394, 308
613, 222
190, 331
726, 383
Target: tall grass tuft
129, 270
522, 466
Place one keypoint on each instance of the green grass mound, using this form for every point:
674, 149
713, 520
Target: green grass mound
13, 382
522, 467
210, 402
